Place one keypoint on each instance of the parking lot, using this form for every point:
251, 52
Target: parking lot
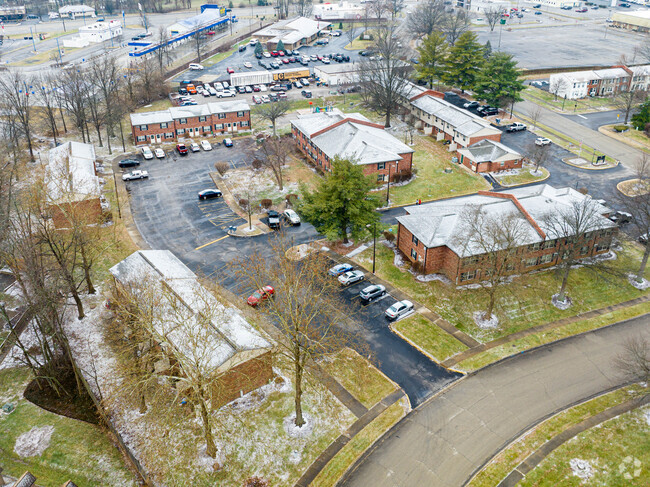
237, 60
169, 215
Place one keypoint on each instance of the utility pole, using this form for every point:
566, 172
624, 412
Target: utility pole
59, 48
388, 187
31, 34
374, 244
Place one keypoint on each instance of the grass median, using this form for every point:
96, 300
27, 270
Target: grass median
518, 451
427, 336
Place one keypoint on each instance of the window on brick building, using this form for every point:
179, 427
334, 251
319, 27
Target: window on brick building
164, 125
531, 262
602, 246
380, 178
202, 119
535, 246
549, 244
584, 250
415, 240
141, 138
169, 135
206, 128
182, 121
218, 126
470, 260
467, 276
414, 254
240, 114
144, 127
244, 123
180, 131
381, 165
545, 259
222, 115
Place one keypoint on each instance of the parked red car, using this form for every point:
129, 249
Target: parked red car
281, 53
274, 53
229, 70
260, 295
182, 150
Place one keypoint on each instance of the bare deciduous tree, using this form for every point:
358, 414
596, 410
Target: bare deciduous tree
535, 114
559, 84
303, 8
492, 16
384, 78
455, 24
304, 308
16, 91
273, 154
496, 241
574, 226
628, 100
426, 18
539, 155
273, 111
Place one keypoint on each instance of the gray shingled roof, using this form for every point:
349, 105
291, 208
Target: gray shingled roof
464, 122
487, 151
364, 144
440, 223
174, 113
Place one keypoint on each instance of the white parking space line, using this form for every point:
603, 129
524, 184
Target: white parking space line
381, 297
582, 116
404, 316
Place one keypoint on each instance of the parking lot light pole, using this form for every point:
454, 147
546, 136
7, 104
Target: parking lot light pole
388, 187
374, 244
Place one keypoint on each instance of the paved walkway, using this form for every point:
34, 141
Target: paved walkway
455, 433
435, 318
343, 440
456, 359
547, 448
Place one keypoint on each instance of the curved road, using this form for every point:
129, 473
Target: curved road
447, 439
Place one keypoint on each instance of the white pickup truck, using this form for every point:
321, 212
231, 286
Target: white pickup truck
138, 174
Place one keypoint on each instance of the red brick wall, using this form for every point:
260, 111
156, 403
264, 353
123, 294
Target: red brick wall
193, 122
491, 166
494, 137
242, 379
442, 260
89, 210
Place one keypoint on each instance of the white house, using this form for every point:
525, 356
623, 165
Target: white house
338, 74
77, 11
203, 20
572, 85
95, 33
339, 11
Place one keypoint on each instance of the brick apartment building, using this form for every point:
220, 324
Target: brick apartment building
190, 121
489, 156
237, 357
325, 135
600, 82
434, 234
73, 189
445, 121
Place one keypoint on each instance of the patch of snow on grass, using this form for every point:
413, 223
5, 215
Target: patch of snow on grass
15, 357
646, 415
536, 173
34, 442
581, 468
642, 285
207, 463
566, 304
484, 324
295, 431
433, 277
295, 457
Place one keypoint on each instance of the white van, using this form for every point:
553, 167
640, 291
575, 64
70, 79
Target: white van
253, 42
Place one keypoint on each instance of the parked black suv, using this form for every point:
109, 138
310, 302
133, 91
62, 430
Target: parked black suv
129, 163
486, 110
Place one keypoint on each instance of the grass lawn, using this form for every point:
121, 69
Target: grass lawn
633, 137
589, 104
359, 377
518, 451
523, 304
431, 158
360, 443
537, 339
78, 451
430, 338
357, 43
609, 448
42, 56
523, 176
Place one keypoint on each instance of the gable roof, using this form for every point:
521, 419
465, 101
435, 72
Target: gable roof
351, 136
70, 173
441, 223
222, 328
292, 30
175, 113
487, 150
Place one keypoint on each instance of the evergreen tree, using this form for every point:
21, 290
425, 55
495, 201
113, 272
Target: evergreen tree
641, 119
498, 82
434, 53
464, 62
280, 46
342, 204
258, 48
488, 49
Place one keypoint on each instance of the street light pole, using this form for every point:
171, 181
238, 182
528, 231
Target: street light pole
374, 244
388, 188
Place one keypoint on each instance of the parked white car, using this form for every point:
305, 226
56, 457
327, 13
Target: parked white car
195, 67
160, 154
205, 145
194, 147
398, 310
291, 216
542, 141
146, 152
248, 65
137, 174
